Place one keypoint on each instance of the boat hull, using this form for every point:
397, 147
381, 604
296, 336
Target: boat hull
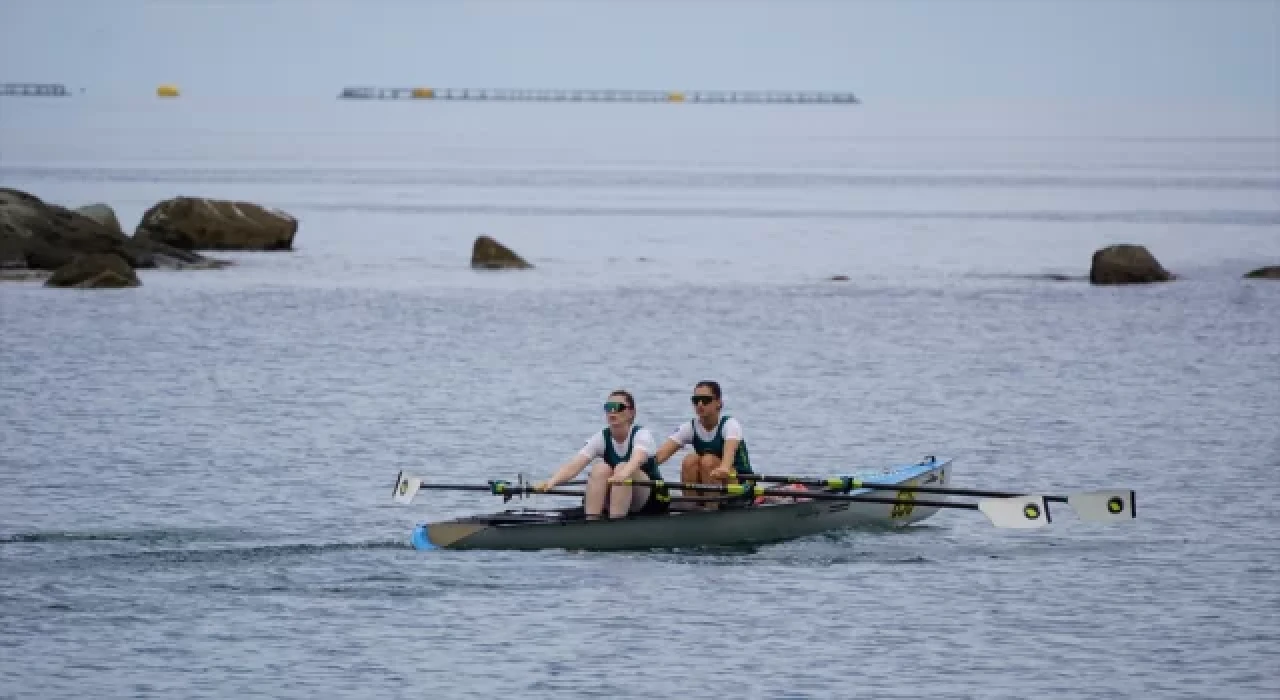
760, 524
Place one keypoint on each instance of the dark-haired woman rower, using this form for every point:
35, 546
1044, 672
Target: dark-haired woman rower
719, 448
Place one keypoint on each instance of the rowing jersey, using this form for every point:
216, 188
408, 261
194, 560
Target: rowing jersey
614, 453
712, 441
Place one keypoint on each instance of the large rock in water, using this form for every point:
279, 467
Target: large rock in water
46, 236
94, 271
1271, 272
103, 214
191, 223
488, 254
1126, 264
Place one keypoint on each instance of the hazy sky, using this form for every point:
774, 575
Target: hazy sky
1193, 50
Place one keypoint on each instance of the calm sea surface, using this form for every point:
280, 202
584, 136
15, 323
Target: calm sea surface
195, 474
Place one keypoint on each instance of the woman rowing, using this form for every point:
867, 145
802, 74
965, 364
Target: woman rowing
719, 449
627, 453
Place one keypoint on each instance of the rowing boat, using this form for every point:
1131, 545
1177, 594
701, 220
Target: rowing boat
743, 523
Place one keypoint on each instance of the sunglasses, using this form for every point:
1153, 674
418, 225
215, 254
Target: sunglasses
615, 407
698, 398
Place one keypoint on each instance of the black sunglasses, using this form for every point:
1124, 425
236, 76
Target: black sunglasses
699, 398
615, 407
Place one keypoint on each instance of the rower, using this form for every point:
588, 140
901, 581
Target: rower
626, 450
719, 449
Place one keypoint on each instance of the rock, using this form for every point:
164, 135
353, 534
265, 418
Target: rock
191, 223
1271, 272
1126, 264
47, 236
94, 270
178, 259
103, 214
12, 252
489, 254
839, 278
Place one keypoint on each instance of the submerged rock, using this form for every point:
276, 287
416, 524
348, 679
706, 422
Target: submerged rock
488, 254
23, 275
167, 256
94, 271
1271, 272
191, 223
1126, 264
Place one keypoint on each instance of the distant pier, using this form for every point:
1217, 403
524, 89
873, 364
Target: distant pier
34, 90
570, 95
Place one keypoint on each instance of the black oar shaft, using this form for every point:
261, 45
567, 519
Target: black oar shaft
528, 490
747, 491
850, 498
838, 484
855, 484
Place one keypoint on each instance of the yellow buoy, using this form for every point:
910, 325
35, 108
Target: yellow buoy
167, 91
675, 97
423, 93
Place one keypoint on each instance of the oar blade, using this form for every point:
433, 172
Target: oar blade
1017, 512
407, 486
1104, 506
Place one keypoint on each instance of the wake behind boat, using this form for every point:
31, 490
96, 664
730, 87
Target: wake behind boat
752, 513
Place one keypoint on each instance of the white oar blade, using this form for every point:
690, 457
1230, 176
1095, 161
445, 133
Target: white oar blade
1104, 506
1020, 512
406, 486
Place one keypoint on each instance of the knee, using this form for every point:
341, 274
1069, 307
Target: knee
600, 472
709, 461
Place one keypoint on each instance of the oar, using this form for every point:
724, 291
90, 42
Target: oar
1006, 511
1016, 511
1092, 506
407, 486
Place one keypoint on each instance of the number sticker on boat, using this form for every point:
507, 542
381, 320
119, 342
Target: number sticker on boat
904, 508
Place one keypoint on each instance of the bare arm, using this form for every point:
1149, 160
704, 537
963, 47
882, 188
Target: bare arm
668, 448
624, 472
730, 449
566, 472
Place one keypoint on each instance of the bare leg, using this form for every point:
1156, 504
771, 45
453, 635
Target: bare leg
639, 494
706, 465
597, 489
689, 474
623, 499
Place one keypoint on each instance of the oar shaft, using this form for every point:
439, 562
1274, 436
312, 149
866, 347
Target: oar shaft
501, 489
851, 484
528, 490
734, 490
740, 490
